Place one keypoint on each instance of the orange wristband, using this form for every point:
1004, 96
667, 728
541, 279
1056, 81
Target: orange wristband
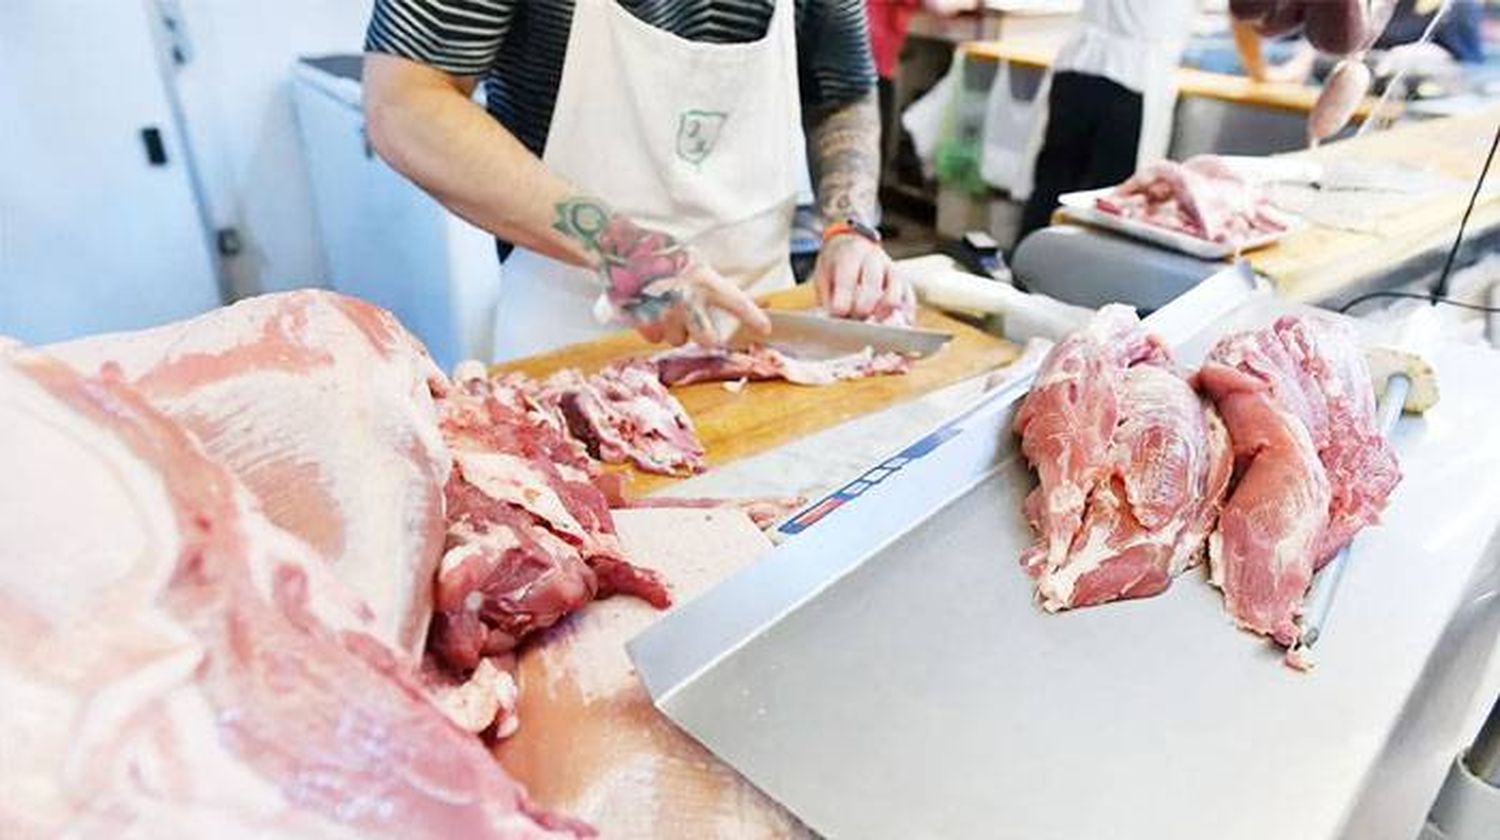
851, 225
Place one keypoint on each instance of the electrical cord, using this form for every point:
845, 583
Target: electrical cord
1439, 293
1418, 296
1440, 290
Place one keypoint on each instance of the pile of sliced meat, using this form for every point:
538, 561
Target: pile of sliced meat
1274, 472
1202, 197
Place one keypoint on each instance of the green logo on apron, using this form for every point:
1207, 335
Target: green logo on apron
697, 132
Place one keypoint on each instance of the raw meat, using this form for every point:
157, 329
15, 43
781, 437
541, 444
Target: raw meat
594, 746
623, 414
690, 364
530, 535
321, 404
1133, 466
1313, 468
1202, 197
172, 664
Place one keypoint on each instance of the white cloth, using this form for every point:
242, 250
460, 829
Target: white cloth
1137, 44
1013, 134
703, 141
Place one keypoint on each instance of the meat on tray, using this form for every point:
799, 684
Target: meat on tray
1132, 466
691, 364
1312, 468
1202, 197
177, 665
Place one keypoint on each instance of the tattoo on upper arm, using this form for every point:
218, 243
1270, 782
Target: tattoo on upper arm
846, 155
642, 269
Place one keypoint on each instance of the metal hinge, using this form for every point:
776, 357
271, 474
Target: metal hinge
176, 29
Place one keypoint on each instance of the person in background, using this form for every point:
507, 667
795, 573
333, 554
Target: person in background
1111, 100
654, 148
1248, 44
1459, 33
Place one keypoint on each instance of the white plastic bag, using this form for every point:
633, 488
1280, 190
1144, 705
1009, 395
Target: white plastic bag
1013, 131
925, 118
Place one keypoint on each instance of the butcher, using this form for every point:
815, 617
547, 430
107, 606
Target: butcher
653, 151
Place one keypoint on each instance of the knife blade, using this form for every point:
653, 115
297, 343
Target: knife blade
810, 336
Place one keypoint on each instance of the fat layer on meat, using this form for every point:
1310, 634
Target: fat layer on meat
173, 664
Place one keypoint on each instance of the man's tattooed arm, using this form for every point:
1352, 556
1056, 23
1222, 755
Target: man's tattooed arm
845, 151
642, 269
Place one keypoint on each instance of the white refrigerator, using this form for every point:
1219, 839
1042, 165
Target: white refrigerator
385, 240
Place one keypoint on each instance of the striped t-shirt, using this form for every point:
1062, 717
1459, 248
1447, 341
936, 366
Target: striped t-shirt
517, 46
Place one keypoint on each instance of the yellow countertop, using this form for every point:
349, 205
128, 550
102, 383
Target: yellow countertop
1318, 262
1239, 90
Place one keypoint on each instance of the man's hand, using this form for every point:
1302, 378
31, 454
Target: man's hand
854, 279
651, 280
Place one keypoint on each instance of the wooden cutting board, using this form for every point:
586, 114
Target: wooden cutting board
767, 414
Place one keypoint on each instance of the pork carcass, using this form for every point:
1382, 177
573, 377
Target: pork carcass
1312, 467
1202, 197
530, 535
322, 405
691, 364
1132, 466
172, 664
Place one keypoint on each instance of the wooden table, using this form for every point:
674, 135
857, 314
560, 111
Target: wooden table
1238, 90
768, 414
1322, 264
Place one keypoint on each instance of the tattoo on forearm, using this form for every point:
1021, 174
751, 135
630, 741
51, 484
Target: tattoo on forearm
846, 158
642, 269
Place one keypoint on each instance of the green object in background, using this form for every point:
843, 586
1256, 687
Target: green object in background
961, 140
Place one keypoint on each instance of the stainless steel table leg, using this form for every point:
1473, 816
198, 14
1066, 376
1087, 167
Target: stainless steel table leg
1468, 806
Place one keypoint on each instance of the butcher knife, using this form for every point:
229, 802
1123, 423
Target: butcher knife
811, 336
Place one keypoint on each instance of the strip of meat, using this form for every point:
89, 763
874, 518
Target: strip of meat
322, 405
692, 364
1261, 553
1313, 467
172, 664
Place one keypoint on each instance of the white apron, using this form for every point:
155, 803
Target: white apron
703, 141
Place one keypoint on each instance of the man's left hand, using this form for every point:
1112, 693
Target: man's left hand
854, 279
